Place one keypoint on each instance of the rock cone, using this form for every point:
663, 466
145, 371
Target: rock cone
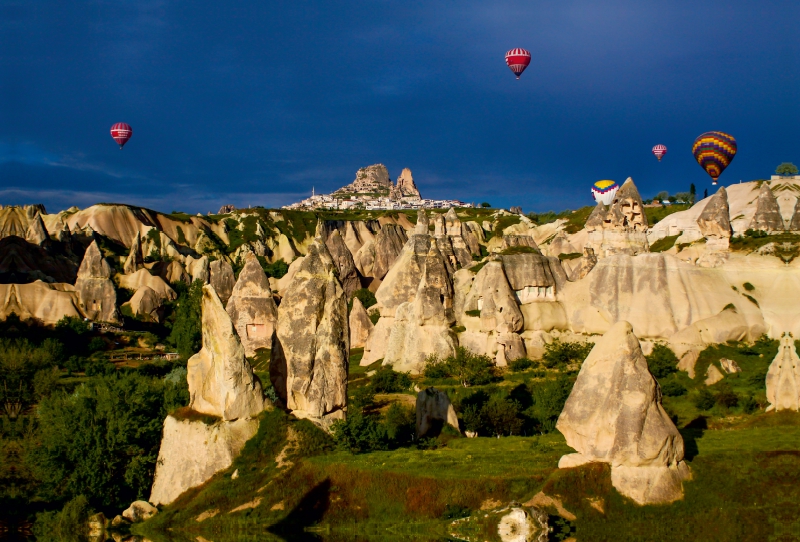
783, 378
251, 307
768, 213
95, 289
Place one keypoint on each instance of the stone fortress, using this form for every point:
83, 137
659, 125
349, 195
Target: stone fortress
441, 282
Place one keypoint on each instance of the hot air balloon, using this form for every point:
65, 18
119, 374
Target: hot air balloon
604, 191
518, 59
714, 151
121, 132
659, 151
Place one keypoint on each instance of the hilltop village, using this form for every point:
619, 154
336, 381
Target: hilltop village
601, 346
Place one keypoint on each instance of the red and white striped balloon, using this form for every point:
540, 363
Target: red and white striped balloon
121, 132
659, 151
518, 59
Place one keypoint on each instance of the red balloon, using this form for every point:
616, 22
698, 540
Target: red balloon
518, 59
121, 132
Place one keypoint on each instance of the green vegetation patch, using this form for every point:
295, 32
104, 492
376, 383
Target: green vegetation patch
657, 214
569, 256
520, 249
665, 243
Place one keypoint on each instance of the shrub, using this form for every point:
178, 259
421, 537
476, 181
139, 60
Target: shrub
97, 344
673, 388
726, 397
186, 334
275, 270
455, 511
704, 400
435, 368
387, 380
501, 416
473, 313
401, 424
67, 525
363, 397
662, 362
561, 354
470, 369
520, 364
548, 398
749, 287
366, 297
360, 433
749, 404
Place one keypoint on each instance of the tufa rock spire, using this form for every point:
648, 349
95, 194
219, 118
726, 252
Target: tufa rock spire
768, 213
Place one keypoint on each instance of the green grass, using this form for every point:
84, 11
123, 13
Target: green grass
665, 243
569, 256
657, 214
520, 250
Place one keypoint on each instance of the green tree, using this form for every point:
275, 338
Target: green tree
693, 192
366, 297
786, 168
662, 362
486, 204
186, 334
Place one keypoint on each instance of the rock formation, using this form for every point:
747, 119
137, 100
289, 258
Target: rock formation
518, 241
405, 185
222, 279
47, 303
135, 260
344, 262
586, 264
783, 378
360, 324
371, 179
794, 224
388, 245
221, 381
434, 410
198, 268
37, 233
713, 375
715, 220
143, 278
312, 344
145, 303
95, 289
251, 307
614, 415
193, 451
729, 366
768, 213
621, 227
139, 511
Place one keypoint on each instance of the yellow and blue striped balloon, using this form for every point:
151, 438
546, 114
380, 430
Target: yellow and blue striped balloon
714, 151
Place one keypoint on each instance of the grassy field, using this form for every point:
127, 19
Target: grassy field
744, 462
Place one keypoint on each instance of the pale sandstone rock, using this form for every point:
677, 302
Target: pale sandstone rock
222, 279
715, 220
713, 375
783, 378
252, 308
421, 228
406, 186
378, 340
614, 415
139, 511
510, 346
493, 296
621, 227
47, 303
221, 381
521, 525
586, 264
142, 277
145, 302
688, 362
198, 268
519, 241
135, 260
729, 366
174, 272
344, 263
794, 223
37, 233
768, 215
360, 324
95, 289
388, 245
192, 452
286, 280
311, 348
433, 411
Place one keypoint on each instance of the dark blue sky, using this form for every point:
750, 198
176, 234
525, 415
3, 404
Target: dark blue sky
255, 102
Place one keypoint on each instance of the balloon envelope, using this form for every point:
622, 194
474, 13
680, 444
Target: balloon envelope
604, 191
121, 132
714, 151
659, 151
518, 59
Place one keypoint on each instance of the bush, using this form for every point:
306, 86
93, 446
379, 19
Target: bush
366, 297
186, 334
547, 401
455, 511
45, 382
360, 433
749, 287
275, 270
704, 400
726, 397
501, 416
401, 424
756, 234
468, 368
387, 380
97, 367
97, 344
520, 364
673, 388
662, 362
363, 397
67, 525
749, 404
562, 354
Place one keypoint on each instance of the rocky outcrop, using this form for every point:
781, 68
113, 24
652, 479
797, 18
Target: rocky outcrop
95, 289
198, 268
312, 344
406, 187
713, 375
510, 241
614, 415
794, 223
360, 324
586, 264
193, 451
783, 378
534, 277
23, 262
221, 381
222, 279
434, 410
768, 213
621, 227
715, 220
344, 262
46, 303
251, 307
371, 179
135, 260
139, 511
388, 245
143, 278
145, 303
37, 233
